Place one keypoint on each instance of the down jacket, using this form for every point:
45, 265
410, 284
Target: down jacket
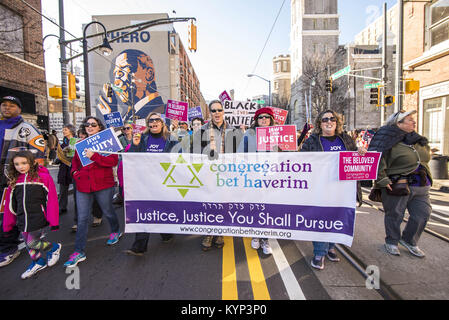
32, 205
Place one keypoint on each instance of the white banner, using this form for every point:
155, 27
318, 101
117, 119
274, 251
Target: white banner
287, 195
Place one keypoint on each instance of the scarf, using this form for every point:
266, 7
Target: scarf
212, 137
388, 136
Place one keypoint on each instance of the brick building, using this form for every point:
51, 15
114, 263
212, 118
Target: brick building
22, 71
426, 58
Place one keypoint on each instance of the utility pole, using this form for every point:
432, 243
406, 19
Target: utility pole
399, 49
384, 65
65, 95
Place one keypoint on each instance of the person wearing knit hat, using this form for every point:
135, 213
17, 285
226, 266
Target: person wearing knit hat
264, 117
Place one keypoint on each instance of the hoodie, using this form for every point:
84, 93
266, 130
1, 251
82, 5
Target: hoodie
32, 205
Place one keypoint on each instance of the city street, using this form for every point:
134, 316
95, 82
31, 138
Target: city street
182, 271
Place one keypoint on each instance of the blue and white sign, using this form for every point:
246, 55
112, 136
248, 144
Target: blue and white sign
104, 140
194, 113
113, 119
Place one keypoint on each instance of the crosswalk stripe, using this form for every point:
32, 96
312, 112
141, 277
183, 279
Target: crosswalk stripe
294, 291
260, 290
229, 283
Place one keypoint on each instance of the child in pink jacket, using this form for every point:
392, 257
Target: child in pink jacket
32, 205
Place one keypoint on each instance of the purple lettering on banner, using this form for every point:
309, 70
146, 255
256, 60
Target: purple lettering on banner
270, 216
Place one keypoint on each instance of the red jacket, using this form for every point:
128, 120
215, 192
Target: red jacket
95, 176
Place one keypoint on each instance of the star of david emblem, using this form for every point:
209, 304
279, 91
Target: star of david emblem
182, 186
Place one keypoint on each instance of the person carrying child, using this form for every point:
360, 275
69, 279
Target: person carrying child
32, 205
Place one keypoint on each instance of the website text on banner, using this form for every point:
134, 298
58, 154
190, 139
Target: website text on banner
177, 110
353, 166
104, 140
282, 195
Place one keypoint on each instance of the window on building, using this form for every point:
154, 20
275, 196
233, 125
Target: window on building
437, 23
433, 125
11, 36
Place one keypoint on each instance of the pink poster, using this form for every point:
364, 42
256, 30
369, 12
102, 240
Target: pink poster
224, 96
353, 166
280, 115
177, 110
282, 136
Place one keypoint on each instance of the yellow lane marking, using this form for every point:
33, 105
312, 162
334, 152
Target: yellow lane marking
229, 283
260, 290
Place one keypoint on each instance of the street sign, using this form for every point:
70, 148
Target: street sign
341, 72
372, 85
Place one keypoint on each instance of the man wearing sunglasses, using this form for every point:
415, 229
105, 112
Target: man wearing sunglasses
215, 137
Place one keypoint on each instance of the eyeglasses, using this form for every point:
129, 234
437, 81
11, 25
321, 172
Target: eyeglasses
333, 119
91, 124
216, 110
127, 128
263, 117
153, 120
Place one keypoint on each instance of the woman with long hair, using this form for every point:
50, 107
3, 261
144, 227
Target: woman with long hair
93, 181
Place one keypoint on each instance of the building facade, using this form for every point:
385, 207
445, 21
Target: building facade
426, 59
314, 31
147, 68
281, 90
21, 53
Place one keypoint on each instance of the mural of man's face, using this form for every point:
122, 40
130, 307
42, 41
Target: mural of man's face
123, 77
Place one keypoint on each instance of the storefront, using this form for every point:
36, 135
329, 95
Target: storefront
434, 116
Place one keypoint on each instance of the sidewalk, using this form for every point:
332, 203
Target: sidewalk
441, 185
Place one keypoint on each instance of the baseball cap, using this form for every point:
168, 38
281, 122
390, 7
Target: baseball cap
12, 99
399, 116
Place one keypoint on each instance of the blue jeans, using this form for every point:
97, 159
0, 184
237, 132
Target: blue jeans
320, 249
84, 202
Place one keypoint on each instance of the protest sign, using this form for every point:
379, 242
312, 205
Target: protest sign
72, 143
195, 113
239, 112
104, 140
280, 115
141, 122
190, 194
224, 96
283, 137
138, 128
113, 119
353, 166
177, 110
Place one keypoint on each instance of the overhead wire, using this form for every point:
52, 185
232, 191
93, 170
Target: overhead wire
265, 44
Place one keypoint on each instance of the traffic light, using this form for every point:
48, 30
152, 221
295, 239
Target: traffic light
192, 36
73, 87
388, 100
329, 85
374, 96
55, 92
411, 86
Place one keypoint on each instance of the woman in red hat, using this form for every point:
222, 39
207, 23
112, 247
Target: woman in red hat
263, 118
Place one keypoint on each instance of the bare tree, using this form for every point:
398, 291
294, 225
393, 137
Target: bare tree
313, 81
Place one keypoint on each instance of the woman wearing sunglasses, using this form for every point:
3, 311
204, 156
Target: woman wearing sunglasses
328, 136
93, 181
155, 139
263, 118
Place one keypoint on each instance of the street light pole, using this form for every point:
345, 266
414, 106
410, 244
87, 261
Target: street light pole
106, 48
65, 93
269, 86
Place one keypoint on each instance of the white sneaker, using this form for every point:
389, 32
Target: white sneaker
255, 244
53, 254
34, 267
266, 247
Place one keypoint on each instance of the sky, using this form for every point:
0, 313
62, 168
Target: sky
232, 35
